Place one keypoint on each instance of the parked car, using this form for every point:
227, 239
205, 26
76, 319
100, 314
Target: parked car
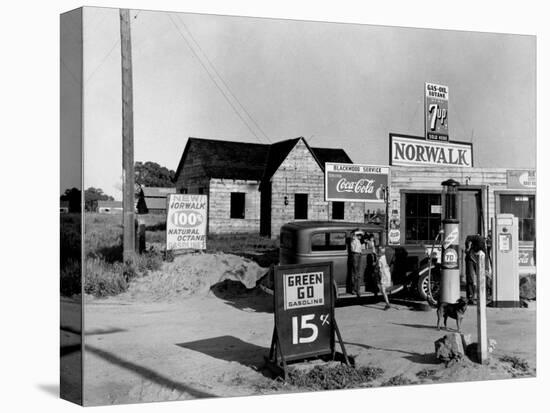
320, 241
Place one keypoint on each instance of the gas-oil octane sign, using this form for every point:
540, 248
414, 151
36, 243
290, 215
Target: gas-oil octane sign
186, 219
436, 109
304, 309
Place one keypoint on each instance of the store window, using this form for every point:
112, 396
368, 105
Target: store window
300, 206
237, 205
523, 207
422, 217
338, 210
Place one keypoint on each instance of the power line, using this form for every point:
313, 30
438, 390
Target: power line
213, 80
115, 44
73, 76
103, 60
221, 78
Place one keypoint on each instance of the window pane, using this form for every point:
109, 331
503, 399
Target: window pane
423, 233
523, 207
421, 225
326, 241
411, 208
237, 205
412, 229
423, 205
337, 210
300, 206
435, 223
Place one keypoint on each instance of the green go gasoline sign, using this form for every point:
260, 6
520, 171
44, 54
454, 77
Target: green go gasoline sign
304, 310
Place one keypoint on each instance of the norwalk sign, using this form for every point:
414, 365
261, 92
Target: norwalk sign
416, 151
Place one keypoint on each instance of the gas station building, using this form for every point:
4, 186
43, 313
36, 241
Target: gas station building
415, 200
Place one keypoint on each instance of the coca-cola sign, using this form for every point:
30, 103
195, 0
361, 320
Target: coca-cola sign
353, 182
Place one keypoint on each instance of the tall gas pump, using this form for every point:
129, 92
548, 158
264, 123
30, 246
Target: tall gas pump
450, 273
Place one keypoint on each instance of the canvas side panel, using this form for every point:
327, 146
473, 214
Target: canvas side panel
71, 206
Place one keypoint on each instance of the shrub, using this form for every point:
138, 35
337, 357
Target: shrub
105, 279
333, 377
399, 380
71, 278
150, 260
528, 287
516, 363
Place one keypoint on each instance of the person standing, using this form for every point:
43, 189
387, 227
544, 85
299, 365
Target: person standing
356, 248
473, 244
383, 275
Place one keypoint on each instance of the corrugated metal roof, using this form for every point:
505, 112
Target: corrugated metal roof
155, 203
109, 204
158, 192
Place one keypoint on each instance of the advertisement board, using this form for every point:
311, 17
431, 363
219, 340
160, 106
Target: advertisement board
436, 112
354, 182
186, 219
521, 179
304, 310
416, 151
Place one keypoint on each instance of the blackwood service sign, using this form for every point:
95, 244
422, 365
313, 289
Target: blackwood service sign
354, 182
186, 219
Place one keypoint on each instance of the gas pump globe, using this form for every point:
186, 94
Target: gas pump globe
450, 273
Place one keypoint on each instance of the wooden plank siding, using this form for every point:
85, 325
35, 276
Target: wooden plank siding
300, 173
408, 178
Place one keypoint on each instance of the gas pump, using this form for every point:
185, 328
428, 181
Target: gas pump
506, 250
450, 274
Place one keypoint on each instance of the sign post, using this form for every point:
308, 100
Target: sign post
186, 218
481, 309
304, 315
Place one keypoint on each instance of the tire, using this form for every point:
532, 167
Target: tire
422, 289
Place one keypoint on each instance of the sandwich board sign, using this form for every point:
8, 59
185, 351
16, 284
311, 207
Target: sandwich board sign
186, 218
304, 313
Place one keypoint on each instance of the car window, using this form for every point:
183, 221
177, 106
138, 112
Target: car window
328, 241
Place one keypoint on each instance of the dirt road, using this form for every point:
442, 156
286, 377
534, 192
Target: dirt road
214, 345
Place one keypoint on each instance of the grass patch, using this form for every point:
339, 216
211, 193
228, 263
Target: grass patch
399, 380
104, 279
426, 373
236, 243
70, 250
516, 363
333, 377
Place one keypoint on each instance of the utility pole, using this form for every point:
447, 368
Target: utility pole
128, 238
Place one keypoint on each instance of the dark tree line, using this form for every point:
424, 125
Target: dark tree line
91, 197
153, 174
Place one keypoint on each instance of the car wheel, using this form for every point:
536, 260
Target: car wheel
423, 288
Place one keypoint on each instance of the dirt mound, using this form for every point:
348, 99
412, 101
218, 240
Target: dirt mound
193, 274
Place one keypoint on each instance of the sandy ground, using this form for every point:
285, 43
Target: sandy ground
214, 345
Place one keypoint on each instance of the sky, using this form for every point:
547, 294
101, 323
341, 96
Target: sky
265, 80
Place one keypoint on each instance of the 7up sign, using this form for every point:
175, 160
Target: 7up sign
436, 112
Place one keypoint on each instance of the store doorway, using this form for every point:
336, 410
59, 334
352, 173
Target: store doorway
470, 215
